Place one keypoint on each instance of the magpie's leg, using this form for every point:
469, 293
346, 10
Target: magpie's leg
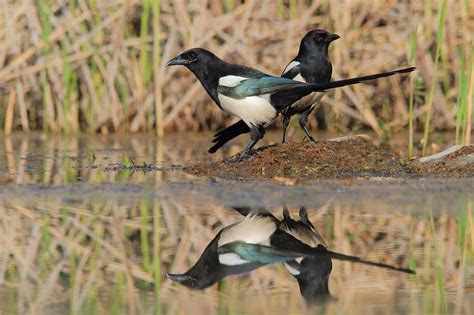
256, 133
286, 122
304, 121
304, 116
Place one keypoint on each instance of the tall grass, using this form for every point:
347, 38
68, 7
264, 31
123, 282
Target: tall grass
439, 41
156, 9
99, 68
411, 59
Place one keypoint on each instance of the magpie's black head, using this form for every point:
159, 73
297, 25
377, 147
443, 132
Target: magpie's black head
320, 37
204, 273
199, 277
193, 58
195, 281
313, 279
317, 40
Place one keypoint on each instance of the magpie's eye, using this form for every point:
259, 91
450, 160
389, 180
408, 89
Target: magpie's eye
192, 56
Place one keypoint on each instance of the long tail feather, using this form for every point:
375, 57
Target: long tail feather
295, 92
338, 256
227, 134
336, 84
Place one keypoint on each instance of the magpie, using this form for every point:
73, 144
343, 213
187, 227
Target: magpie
312, 273
311, 65
254, 241
251, 95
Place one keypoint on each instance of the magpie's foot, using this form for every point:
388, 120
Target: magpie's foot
242, 156
311, 139
235, 159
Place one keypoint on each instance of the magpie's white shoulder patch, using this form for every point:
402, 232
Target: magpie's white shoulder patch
290, 66
231, 80
231, 259
291, 269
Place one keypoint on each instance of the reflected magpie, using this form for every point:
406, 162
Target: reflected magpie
251, 95
311, 65
312, 273
255, 241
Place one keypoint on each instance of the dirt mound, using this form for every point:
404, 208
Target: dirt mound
348, 157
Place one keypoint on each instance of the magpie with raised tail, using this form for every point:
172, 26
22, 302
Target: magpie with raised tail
310, 65
255, 241
251, 95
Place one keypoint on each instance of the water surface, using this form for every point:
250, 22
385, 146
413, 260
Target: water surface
91, 224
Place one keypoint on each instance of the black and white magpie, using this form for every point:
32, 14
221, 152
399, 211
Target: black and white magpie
251, 95
310, 65
255, 241
312, 273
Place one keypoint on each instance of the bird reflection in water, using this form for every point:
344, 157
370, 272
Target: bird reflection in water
260, 239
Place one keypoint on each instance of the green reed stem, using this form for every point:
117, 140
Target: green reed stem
413, 45
461, 102
144, 57
439, 40
156, 65
439, 280
157, 251
145, 243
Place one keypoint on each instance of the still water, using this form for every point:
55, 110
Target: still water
91, 224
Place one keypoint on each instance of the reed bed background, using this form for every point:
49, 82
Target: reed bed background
99, 66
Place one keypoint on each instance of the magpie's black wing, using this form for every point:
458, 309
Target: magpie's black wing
257, 86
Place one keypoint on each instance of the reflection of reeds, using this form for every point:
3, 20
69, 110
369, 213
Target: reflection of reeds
100, 67
103, 255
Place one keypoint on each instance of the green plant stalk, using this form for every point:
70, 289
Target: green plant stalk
46, 30
413, 45
229, 5
156, 65
156, 251
293, 9
145, 243
439, 40
461, 101
144, 58
469, 100
280, 8
439, 281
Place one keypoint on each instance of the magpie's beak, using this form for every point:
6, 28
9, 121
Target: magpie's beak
333, 37
178, 278
177, 61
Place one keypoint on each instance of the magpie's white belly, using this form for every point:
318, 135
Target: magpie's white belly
253, 229
255, 110
307, 101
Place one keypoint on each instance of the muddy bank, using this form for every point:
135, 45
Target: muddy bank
351, 157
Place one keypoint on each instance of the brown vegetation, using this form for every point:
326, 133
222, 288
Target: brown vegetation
88, 65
